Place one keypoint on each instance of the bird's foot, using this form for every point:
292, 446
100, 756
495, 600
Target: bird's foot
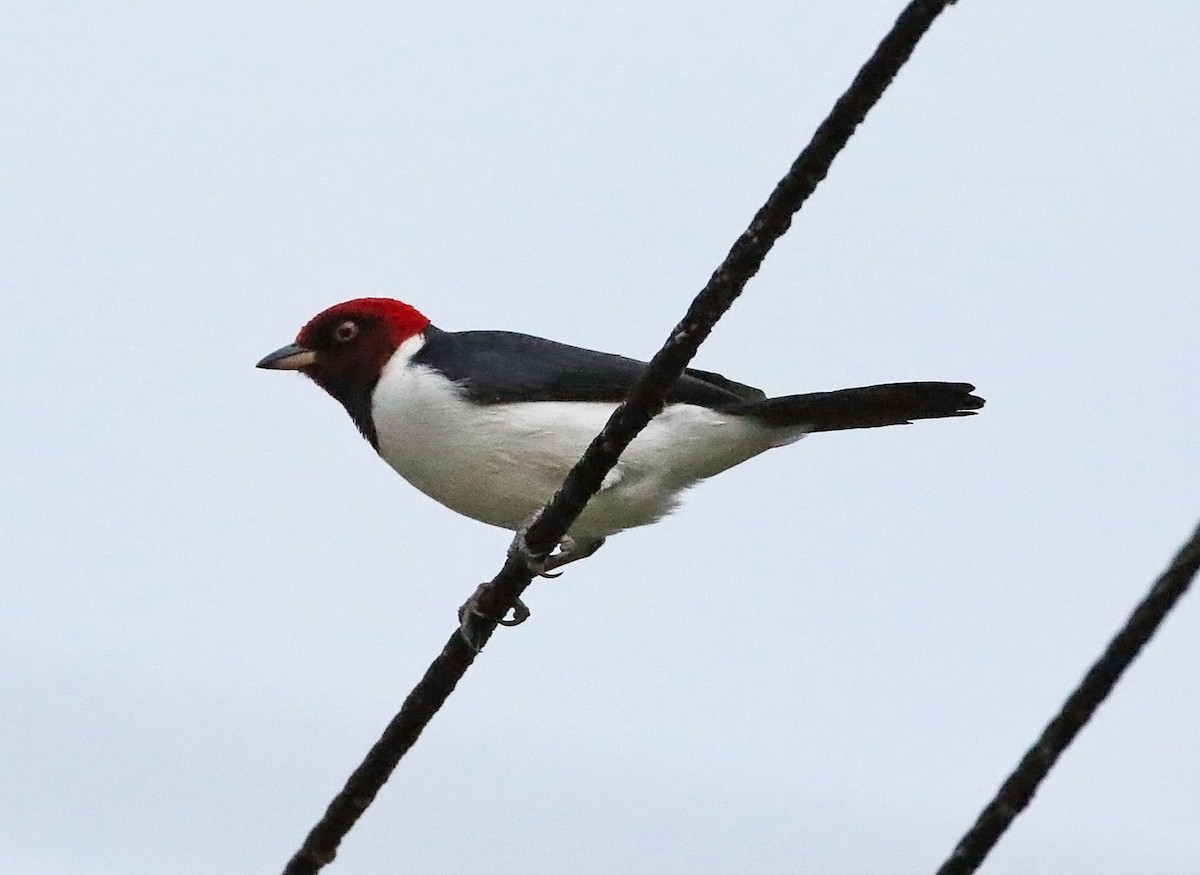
470, 612
569, 550
537, 565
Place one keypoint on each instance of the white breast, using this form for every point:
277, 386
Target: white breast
501, 463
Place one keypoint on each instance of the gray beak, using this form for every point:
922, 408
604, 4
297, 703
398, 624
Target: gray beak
292, 357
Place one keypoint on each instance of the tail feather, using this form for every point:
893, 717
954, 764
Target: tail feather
865, 407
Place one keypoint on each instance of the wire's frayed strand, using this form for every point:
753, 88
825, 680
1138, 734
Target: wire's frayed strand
1017, 791
645, 400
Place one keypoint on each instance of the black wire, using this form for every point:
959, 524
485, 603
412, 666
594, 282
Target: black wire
1017, 791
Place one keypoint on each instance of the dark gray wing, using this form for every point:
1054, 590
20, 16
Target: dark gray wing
496, 367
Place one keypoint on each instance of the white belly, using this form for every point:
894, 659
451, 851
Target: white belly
501, 463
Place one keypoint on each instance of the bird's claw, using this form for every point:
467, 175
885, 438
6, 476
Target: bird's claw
569, 550
470, 611
520, 614
537, 565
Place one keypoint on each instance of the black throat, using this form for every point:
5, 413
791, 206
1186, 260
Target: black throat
357, 401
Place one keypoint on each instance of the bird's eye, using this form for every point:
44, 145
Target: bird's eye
345, 332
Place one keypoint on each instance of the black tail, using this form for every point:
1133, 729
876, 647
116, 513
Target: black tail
865, 407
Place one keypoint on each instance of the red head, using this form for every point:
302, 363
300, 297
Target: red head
344, 349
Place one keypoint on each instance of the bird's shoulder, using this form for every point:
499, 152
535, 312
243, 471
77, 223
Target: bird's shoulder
499, 367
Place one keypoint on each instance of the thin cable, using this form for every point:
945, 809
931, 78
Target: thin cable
1017, 791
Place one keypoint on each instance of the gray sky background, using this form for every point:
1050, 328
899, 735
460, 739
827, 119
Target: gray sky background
215, 595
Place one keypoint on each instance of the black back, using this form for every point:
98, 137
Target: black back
497, 367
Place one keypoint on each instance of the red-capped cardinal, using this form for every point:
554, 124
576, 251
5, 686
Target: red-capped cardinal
489, 422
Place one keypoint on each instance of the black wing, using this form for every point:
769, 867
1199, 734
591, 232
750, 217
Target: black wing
496, 367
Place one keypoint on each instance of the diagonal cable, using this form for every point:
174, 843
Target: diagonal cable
1018, 789
644, 401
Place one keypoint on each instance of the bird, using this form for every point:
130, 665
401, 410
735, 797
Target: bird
488, 423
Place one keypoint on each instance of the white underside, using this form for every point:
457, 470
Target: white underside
501, 463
